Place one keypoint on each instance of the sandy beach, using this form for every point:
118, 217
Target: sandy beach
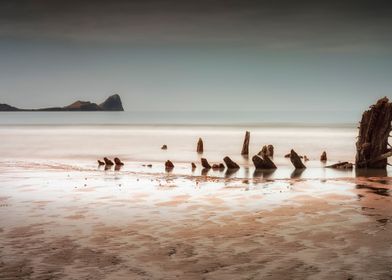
195, 140
72, 222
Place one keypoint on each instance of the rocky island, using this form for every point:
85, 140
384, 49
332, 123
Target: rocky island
112, 103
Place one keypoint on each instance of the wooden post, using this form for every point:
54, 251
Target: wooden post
296, 160
372, 145
200, 148
245, 146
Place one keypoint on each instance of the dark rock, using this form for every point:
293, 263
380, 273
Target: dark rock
169, 165
296, 160
245, 146
82, 106
221, 166
100, 162
117, 161
200, 148
149, 165
323, 156
205, 164
230, 164
263, 162
108, 161
306, 158
8, 108
112, 103
164, 147
193, 165
287, 155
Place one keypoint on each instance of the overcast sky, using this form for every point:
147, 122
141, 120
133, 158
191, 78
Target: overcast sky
197, 55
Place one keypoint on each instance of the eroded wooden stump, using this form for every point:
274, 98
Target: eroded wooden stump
296, 160
245, 146
230, 164
205, 164
372, 144
263, 162
200, 148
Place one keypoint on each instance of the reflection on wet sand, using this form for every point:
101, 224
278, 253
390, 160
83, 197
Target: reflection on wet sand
230, 172
375, 190
118, 225
371, 172
297, 173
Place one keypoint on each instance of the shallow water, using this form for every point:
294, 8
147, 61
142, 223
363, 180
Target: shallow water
81, 145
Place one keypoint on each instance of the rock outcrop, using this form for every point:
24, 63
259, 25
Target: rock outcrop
112, 103
8, 108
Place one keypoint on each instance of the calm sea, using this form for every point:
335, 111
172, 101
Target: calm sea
82, 138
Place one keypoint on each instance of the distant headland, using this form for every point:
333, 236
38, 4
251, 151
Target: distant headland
112, 103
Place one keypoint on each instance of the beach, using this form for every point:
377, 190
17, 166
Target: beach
63, 217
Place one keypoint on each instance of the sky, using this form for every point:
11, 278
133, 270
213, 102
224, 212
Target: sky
177, 55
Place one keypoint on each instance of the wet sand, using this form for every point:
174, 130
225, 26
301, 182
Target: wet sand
70, 223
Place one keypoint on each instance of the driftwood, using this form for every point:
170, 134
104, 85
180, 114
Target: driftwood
341, 165
323, 156
169, 165
375, 127
200, 148
205, 164
245, 146
230, 164
263, 162
296, 160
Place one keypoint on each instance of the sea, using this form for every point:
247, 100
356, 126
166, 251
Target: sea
79, 139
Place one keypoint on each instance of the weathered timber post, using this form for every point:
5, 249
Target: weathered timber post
200, 147
245, 146
372, 144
